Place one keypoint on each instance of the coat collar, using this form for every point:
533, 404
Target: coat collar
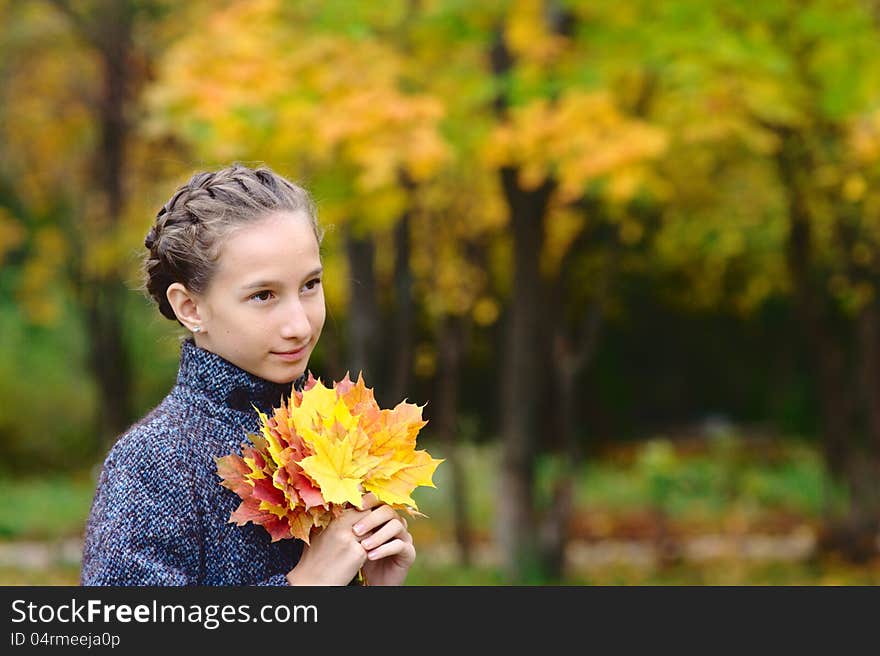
227, 385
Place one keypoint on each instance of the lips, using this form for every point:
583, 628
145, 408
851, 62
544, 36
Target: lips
291, 355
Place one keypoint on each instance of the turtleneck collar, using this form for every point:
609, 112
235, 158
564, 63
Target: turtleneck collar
224, 383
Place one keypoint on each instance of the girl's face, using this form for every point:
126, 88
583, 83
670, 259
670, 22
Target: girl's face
263, 311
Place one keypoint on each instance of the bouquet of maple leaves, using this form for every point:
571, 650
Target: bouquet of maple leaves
320, 453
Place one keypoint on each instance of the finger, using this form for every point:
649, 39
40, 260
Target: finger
369, 500
393, 548
351, 515
390, 530
374, 519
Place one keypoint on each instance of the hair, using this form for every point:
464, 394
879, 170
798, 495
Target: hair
183, 244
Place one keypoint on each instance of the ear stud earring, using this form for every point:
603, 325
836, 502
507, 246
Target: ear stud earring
196, 329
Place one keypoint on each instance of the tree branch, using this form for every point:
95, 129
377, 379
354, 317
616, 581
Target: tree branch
83, 27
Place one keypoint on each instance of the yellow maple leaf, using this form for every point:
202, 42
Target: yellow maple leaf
255, 471
404, 477
317, 403
342, 415
397, 431
279, 511
336, 471
272, 439
301, 525
321, 452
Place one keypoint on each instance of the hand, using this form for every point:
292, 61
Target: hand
335, 554
386, 542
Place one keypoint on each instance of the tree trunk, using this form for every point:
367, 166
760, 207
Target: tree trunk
108, 356
401, 349
829, 360
363, 317
860, 530
869, 338
452, 343
109, 30
516, 507
571, 355
333, 361
854, 534
555, 525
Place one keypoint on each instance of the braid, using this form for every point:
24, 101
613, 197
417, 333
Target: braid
184, 241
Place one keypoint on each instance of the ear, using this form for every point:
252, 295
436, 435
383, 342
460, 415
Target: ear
185, 306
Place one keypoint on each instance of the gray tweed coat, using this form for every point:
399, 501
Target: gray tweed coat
160, 515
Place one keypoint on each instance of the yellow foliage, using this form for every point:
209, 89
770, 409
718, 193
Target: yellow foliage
48, 131
863, 138
425, 361
330, 101
560, 229
527, 35
854, 187
38, 290
11, 232
336, 279
486, 311
581, 138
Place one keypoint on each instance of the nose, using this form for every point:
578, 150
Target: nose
295, 324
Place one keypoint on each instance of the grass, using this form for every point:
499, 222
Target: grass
722, 573
53, 575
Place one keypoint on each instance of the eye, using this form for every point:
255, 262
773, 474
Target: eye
313, 283
261, 296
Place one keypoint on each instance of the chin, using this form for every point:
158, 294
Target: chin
285, 377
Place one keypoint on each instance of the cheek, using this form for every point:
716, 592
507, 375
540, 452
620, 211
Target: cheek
318, 315
238, 319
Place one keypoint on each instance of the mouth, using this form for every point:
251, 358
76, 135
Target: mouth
291, 355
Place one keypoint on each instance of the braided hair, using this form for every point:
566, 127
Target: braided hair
184, 241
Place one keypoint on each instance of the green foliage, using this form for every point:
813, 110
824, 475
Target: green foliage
48, 398
424, 572
728, 473
46, 508
703, 481
154, 347
712, 479
47, 419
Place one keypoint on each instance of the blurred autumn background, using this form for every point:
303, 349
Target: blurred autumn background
626, 251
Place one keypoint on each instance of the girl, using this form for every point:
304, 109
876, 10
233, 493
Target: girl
234, 257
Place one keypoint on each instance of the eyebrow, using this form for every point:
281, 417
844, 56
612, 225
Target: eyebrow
275, 283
